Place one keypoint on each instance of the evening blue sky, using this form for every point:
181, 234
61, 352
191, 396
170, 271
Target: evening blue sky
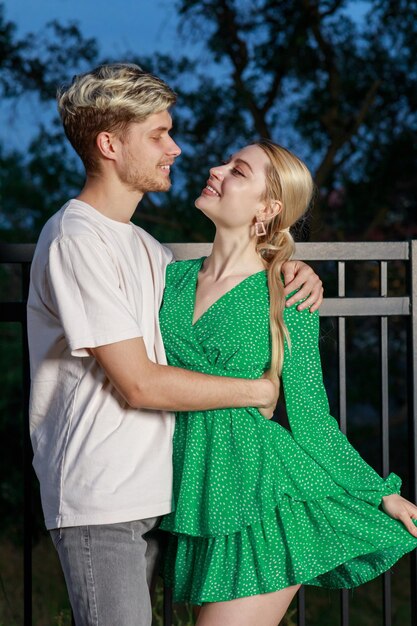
138, 26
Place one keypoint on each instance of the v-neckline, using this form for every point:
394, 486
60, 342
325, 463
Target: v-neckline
226, 293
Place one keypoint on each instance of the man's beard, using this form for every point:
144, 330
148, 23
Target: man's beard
143, 182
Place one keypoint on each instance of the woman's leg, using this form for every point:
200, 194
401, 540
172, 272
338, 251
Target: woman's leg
267, 609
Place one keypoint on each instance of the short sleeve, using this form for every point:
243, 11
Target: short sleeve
85, 288
167, 255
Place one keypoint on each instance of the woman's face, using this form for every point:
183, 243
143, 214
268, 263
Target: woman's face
232, 196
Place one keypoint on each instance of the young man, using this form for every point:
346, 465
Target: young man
101, 388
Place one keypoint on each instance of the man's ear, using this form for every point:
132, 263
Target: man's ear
106, 144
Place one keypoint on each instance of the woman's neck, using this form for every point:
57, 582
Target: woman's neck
233, 255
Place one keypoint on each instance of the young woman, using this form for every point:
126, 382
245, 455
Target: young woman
260, 510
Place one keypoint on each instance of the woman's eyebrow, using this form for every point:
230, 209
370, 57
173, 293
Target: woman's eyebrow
238, 160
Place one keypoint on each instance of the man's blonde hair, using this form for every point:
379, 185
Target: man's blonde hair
109, 98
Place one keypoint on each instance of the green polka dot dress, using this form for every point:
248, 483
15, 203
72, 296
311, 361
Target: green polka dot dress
257, 507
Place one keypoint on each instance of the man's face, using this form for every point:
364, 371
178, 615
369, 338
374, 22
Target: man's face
147, 153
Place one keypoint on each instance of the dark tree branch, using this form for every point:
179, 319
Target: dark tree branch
338, 128
291, 49
366, 105
238, 54
331, 119
273, 92
328, 163
332, 10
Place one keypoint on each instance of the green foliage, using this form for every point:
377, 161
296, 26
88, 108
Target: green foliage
51, 607
50, 603
34, 186
335, 80
341, 90
34, 183
41, 61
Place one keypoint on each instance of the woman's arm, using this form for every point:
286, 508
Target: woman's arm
314, 429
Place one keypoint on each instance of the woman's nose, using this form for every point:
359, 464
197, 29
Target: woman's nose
216, 172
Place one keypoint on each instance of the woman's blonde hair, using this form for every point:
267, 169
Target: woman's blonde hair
289, 182
109, 98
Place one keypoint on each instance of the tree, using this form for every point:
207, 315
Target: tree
335, 80
33, 183
340, 89
41, 61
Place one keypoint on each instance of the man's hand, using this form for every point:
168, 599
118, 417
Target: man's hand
268, 411
299, 275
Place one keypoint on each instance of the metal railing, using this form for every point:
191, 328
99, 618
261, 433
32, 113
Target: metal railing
341, 308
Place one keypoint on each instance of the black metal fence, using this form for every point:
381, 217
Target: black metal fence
340, 307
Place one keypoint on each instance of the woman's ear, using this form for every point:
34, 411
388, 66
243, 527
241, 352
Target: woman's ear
270, 211
274, 208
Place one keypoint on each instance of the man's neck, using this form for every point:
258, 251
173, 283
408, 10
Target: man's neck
110, 198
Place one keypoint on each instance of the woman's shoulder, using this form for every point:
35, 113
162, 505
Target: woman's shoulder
300, 322
178, 269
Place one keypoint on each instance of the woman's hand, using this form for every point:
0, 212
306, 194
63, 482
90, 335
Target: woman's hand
401, 509
299, 275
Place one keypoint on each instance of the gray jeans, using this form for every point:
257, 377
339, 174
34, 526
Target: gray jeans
108, 570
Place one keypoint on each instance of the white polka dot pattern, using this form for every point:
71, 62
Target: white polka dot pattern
259, 508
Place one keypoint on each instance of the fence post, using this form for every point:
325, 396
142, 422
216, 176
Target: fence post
27, 460
412, 368
339, 307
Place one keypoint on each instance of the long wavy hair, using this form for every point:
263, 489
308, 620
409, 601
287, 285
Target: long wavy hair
288, 181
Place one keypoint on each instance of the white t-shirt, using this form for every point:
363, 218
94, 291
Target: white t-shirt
95, 281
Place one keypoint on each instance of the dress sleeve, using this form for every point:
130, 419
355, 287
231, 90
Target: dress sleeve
312, 426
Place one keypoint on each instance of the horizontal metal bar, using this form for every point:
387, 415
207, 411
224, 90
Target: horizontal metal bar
311, 251
377, 307
13, 312
331, 307
323, 251
16, 252
189, 250
353, 251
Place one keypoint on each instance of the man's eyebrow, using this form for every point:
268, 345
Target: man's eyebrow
160, 129
238, 160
